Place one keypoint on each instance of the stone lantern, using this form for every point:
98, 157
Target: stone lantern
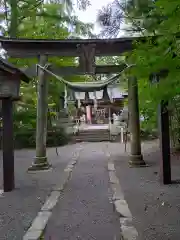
9, 87
10, 78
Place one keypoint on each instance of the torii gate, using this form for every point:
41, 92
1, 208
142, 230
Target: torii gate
86, 50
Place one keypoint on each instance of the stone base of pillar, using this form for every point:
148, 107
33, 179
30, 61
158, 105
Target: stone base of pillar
40, 164
137, 161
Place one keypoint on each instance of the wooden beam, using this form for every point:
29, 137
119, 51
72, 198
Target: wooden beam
34, 47
70, 70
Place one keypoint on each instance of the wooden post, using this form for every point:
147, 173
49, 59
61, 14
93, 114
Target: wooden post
109, 115
41, 162
89, 114
164, 135
8, 145
164, 142
136, 158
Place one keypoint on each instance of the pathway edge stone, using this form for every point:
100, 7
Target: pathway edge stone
38, 225
128, 231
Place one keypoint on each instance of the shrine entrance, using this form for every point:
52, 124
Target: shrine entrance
86, 50
97, 107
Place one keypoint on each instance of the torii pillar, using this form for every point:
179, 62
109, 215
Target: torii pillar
136, 158
40, 160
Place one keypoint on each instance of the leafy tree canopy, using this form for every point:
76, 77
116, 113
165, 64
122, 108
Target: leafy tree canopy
158, 18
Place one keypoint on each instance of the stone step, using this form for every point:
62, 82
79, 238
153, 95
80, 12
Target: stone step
91, 140
92, 136
98, 135
93, 133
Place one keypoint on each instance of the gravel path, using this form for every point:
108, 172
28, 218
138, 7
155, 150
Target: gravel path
19, 207
84, 210
155, 207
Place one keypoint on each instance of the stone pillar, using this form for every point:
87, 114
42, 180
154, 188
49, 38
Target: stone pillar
136, 158
40, 161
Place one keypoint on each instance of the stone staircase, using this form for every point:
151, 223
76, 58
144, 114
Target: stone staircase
92, 135
83, 135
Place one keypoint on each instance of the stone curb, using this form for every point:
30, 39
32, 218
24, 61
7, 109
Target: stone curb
38, 226
127, 229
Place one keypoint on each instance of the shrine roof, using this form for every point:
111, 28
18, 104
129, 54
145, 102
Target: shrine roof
10, 68
33, 47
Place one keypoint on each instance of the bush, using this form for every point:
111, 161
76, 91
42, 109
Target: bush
24, 138
147, 134
25, 129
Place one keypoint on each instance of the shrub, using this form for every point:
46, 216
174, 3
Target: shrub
147, 134
24, 138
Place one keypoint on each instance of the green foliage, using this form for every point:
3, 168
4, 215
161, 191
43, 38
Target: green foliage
159, 19
159, 53
26, 138
25, 128
155, 54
